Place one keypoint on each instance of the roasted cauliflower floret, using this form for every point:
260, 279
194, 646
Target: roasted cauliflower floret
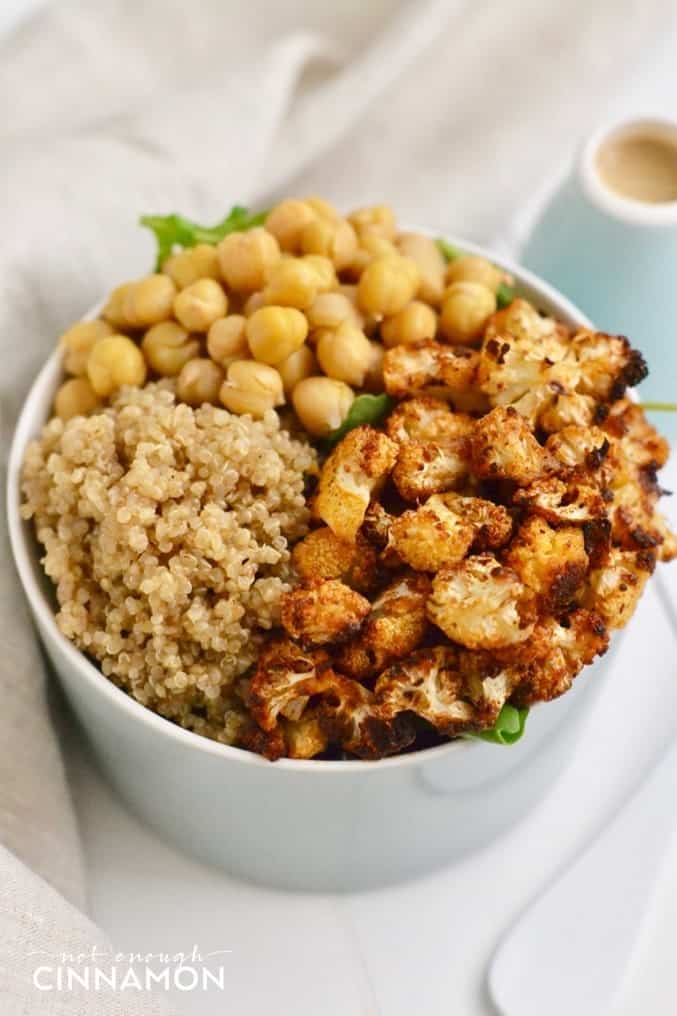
607, 364
503, 447
428, 684
568, 409
615, 588
572, 500
552, 562
393, 629
323, 611
351, 716
424, 469
432, 536
286, 676
321, 555
481, 604
428, 420
429, 366
577, 447
557, 652
351, 476
492, 523
305, 737
639, 441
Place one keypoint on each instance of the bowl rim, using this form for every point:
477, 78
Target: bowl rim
29, 423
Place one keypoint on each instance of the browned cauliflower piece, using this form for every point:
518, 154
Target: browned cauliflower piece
351, 716
558, 500
607, 364
424, 469
492, 523
354, 472
615, 588
568, 409
481, 604
286, 676
393, 629
504, 448
427, 419
575, 447
322, 611
305, 737
429, 367
321, 555
640, 442
557, 652
551, 562
432, 536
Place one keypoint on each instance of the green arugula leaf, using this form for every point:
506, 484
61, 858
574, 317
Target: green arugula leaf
505, 295
508, 728
660, 407
176, 231
365, 409
448, 250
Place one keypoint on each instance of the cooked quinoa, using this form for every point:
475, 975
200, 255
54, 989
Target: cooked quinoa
167, 534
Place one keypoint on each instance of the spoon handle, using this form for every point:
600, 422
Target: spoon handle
569, 950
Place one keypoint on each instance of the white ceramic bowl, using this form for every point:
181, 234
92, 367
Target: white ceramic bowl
310, 825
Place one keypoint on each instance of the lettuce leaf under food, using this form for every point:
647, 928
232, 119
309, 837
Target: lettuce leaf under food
365, 409
508, 728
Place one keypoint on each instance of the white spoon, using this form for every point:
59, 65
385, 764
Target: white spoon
569, 951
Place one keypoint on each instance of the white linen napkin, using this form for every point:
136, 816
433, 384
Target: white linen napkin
451, 111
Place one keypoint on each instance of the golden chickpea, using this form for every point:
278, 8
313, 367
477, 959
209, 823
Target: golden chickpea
466, 309
375, 219
115, 361
372, 245
113, 310
77, 343
323, 208
274, 333
296, 367
292, 283
344, 353
246, 259
199, 381
387, 285
414, 322
253, 302
287, 221
472, 268
334, 238
325, 271
201, 304
373, 380
227, 340
429, 261
75, 397
149, 301
328, 310
187, 266
167, 347
322, 404
251, 387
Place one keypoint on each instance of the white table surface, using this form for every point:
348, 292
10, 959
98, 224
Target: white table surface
421, 947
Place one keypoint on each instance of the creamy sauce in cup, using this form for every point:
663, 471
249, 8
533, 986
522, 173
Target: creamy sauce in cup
639, 166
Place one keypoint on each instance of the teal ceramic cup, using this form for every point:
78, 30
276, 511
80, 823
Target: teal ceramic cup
616, 258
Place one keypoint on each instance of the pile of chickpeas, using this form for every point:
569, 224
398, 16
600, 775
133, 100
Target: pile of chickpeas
299, 310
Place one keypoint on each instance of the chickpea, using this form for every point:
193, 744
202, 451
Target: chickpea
167, 347
253, 302
322, 404
472, 268
414, 322
274, 333
199, 381
429, 261
201, 304
375, 219
293, 283
328, 310
77, 344
324, 269
466, 309
387, 285
246, 259
372, 245
287, 221
149, 301
75, 397
344, 353
296, 367
187, 266
253, 388
334, 238
323, 208
373, 380
227, 340
115, 361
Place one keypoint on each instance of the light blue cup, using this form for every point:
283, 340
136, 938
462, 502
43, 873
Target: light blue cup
616, 259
